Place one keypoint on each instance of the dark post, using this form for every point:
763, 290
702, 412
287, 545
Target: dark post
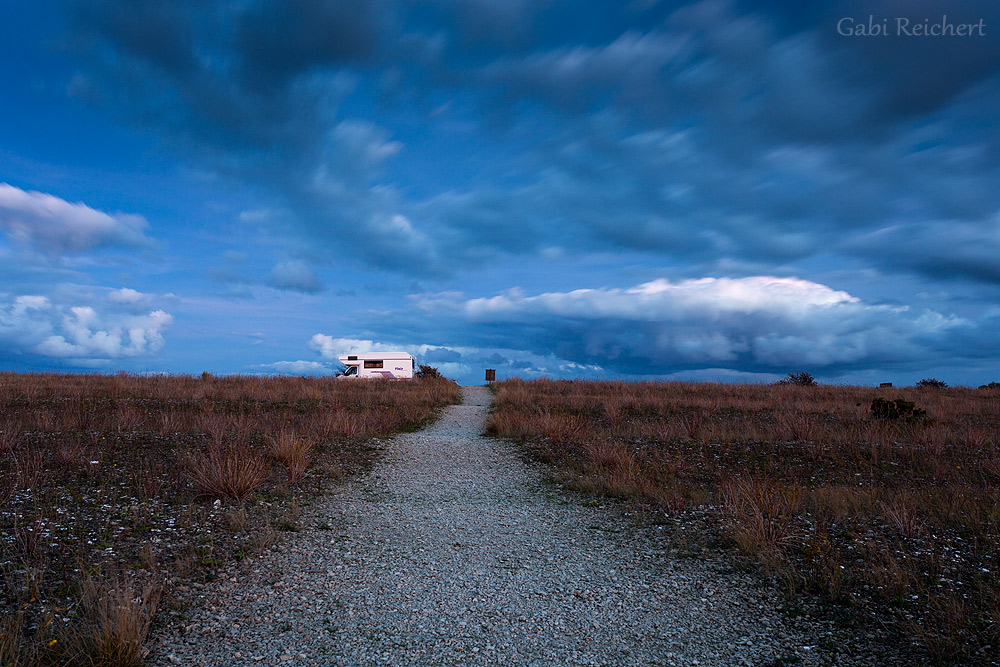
491, 374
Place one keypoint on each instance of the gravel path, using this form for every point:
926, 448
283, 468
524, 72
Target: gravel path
453, 551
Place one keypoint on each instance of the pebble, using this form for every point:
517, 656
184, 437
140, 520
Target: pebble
453, 550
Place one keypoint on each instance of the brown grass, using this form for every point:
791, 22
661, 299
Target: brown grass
93, 467
28, 469
293, 452
900, 520
228, 472
760, 514
117, 612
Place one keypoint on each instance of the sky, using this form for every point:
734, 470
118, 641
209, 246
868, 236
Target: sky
717, 190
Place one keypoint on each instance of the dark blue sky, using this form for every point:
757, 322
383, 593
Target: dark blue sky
712, 190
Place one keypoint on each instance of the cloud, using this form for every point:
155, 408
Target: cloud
759, 324
325, 34
298, 367
972, 251
718, 132
329, 347
127, 295
295, 275
32, 324
55, 226
752, 327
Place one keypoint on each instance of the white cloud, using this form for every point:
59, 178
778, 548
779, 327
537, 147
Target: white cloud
33, 324
755, 324
660, 299
54, 225
127, 295
23, 304
329, 347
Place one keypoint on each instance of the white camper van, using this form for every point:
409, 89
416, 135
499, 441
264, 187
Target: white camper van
378, 365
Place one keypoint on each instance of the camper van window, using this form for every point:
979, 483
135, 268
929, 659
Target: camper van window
370, 363
351, 370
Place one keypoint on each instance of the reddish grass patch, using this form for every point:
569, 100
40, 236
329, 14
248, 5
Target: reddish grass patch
898, 518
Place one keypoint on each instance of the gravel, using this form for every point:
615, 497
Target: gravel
453, 551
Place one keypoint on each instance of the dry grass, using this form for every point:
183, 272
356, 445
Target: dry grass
116, 614
899, 519
293, 452
227, 472
760, 514
140, 472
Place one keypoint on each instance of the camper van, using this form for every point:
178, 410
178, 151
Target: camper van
392, 365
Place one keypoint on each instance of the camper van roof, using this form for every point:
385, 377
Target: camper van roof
374, 355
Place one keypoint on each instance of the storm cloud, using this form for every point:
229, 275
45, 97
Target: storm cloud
709, 131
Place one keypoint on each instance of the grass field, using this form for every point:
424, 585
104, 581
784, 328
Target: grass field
115, 490
891, 513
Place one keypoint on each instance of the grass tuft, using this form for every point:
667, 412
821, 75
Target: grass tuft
117, 612
227, 472
760, 515
293, 452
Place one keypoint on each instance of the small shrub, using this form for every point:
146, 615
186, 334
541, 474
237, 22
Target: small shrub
426, 371
607, 455
903, 517
802, 379
796, 427
990, 466
991, 385
896, 410
170, 423
264, 539
216, 427
931, 383
26, 538
128, 418
347, 424
236, 520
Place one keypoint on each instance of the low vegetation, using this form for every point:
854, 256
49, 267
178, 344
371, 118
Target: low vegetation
115, 491
802, 379
425, 371
884, 501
